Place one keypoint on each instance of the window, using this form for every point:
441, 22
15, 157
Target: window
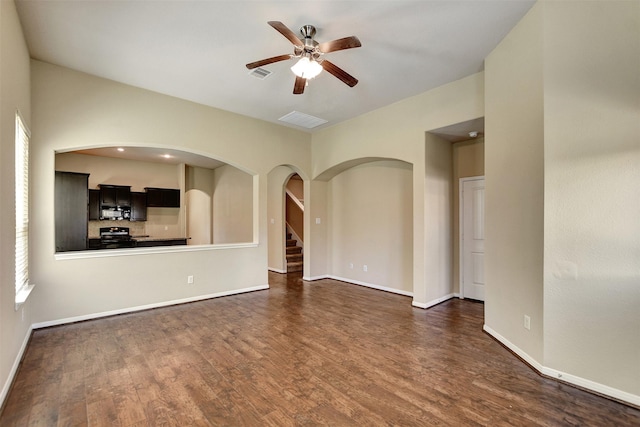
23, 288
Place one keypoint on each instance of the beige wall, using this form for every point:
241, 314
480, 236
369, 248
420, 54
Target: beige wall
514, 179
296, 186
562, 200
438, 219
14, 95
371, 224
232, 206
76, 110
114, 171
592, 192
199, 188
468, 161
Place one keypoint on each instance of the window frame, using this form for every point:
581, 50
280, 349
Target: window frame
23, 287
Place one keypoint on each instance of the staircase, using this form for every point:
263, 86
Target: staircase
294, 255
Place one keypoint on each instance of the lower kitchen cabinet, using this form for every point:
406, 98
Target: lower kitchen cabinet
71, 211
166, 242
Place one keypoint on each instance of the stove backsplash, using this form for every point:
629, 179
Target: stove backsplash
135, 228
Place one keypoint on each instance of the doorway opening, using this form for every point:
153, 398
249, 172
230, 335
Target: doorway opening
294, 223
472, 238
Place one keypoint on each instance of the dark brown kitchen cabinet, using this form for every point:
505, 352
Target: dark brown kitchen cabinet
71, 211
112, 196
94, 205
163, 197
138, 206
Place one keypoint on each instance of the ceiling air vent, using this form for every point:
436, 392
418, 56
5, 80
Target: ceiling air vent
302, 120
260, 73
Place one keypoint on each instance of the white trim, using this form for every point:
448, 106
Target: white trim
14, 368
461, 182
593, 386
146, 251
370, 285
314, 278
146, 307
277, 270
431, 303
583, 383
23, 294
295, 199
521, 354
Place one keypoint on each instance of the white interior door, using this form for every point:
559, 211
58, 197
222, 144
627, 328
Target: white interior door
472, 238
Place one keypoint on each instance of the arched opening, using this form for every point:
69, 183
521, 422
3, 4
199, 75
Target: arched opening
139, 197
370, 223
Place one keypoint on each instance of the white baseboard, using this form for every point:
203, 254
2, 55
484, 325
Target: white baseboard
14, 369
431, 303
277, 270
580, 382
146, 307
312, 278
370, 285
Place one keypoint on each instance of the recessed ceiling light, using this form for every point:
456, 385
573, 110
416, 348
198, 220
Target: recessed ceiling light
473, 134
166, 156
121, 149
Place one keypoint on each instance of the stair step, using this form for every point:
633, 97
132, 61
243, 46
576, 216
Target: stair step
294, 257
289, 236
292, 242
294, 266
294, 249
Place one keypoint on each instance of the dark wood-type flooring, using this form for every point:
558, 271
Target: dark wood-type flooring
300, 353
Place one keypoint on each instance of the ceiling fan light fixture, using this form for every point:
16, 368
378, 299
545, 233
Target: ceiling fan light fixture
306, 68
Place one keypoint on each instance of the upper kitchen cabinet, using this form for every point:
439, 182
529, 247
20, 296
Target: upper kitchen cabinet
138, 206
94, 205
163, 197
112, 196
71, 203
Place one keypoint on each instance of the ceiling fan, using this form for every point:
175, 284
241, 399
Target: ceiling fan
310, 54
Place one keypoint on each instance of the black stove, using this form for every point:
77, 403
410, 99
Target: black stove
115, 237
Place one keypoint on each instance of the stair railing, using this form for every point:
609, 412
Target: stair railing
295, 214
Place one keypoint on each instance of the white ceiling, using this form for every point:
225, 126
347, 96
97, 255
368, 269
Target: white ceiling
197, 50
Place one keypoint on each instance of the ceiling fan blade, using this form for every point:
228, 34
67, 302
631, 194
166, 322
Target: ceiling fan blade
298, 86
340, 44
290, 35
347, 78
268, 61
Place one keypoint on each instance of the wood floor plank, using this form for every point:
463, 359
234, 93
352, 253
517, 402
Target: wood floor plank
300, 353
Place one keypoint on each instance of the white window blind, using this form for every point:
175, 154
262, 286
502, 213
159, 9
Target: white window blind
22, 211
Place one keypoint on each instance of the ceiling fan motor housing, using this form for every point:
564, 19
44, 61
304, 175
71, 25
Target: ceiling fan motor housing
308, 31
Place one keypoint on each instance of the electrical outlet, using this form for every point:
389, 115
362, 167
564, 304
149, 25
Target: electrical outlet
190, 280
364, 267
351, 265
527, 322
